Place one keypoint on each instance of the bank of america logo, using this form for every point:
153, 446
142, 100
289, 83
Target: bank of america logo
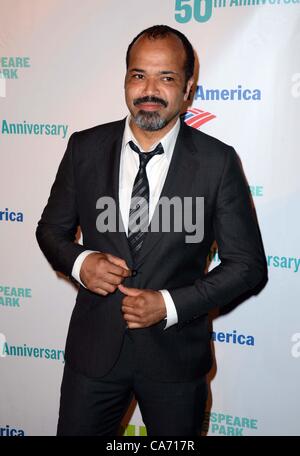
196, 117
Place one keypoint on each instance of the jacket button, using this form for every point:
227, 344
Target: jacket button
133, 272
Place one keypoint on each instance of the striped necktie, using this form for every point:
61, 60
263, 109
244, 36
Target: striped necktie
139, 205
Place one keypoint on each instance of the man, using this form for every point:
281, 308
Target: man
139, 326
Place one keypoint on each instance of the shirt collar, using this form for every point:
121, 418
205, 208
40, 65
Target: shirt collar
168, 141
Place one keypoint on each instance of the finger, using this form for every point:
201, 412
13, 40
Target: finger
100, 291
131, 319
131, 311
118, 270
113, 279
108, 287
117, 261
135, 325
129, 291
105, 266
130, 301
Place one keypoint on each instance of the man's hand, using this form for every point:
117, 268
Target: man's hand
142, 308
103, 272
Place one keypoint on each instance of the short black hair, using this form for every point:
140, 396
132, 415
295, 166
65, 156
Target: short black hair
161, 31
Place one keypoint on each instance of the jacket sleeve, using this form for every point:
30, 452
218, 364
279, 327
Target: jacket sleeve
58, 225
243, 263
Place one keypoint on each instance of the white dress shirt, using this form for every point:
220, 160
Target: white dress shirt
157, 169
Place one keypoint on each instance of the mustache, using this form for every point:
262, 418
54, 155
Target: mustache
156, 100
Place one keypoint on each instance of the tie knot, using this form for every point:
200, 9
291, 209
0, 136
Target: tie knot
146, 156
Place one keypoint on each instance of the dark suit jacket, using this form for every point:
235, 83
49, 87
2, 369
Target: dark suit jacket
201, 166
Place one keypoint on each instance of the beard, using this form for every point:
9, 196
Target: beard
150, 120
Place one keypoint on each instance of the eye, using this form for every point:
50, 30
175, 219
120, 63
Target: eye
168, 79
138, 76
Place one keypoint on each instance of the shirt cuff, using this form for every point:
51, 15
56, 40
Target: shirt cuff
172, 317
78, 263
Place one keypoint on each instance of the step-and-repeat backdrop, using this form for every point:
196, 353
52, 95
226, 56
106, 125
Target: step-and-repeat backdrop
62, 66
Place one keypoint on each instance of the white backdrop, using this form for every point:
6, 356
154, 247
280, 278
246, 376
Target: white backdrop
62, 65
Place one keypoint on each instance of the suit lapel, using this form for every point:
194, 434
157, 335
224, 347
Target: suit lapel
108, 168
179, 181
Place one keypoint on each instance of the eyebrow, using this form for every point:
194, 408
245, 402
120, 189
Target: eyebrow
168, 72
138, 70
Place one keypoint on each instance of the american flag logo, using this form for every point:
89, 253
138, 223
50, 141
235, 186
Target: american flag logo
196, 117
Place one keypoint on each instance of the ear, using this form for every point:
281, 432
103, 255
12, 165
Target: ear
189, 85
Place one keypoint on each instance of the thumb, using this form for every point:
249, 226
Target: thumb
129, 291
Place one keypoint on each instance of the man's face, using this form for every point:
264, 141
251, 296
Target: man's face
155, 86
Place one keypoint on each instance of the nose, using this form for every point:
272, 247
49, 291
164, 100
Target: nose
150, 87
